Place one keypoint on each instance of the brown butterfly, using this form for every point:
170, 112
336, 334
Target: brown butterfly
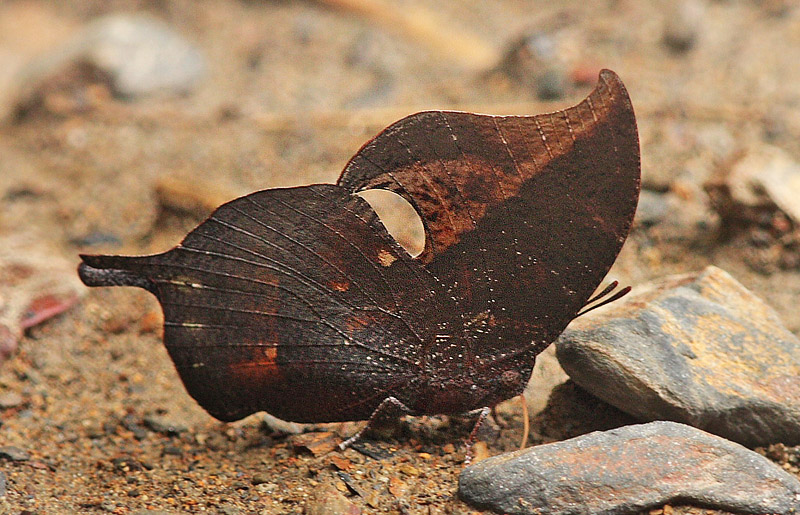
297, 301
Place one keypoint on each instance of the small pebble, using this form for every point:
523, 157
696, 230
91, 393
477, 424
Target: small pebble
3, 484
683, 25
163, 425
327, 500
316, 443
126, 464
653, 208
10, 400
532, 60
480, 451
409, 470
551, 84
259, 479
142, 55
96, 238
191, 196
372, 450
397, 487
11, 453
171, 450
131, 423
349, 484
340, 462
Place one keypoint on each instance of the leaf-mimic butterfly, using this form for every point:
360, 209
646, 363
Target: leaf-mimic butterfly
298, 302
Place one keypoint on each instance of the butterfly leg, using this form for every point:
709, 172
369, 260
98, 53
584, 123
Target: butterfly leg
390, 407
482, 414
500, 422
526, 421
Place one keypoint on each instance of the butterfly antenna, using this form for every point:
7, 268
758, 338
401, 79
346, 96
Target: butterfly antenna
624, 291
603, 293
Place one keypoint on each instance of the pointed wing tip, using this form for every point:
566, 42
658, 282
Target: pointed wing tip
609, 80
607, 75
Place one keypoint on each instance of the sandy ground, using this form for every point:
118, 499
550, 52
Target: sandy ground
292, 91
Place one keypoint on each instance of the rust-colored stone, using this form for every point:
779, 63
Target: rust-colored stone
628, 470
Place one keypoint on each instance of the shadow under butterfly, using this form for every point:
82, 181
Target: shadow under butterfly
298, 302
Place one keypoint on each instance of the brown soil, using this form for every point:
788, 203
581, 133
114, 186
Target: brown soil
294, 88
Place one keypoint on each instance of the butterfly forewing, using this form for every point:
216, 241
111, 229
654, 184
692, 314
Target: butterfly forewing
524, 215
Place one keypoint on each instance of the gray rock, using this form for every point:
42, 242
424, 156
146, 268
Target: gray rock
140, 55
698, 349
11, 453
163, 425
630, 469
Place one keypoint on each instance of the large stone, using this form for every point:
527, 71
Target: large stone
630, 469
699, 349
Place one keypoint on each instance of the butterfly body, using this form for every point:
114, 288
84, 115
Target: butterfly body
297, 301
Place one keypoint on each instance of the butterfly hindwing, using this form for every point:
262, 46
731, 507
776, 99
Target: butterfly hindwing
290, 301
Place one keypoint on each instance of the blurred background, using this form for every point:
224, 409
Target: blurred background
124, 123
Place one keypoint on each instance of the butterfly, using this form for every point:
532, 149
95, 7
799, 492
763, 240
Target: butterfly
298, 302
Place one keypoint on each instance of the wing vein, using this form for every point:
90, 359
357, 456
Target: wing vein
242, 310
297, 242
350, 244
